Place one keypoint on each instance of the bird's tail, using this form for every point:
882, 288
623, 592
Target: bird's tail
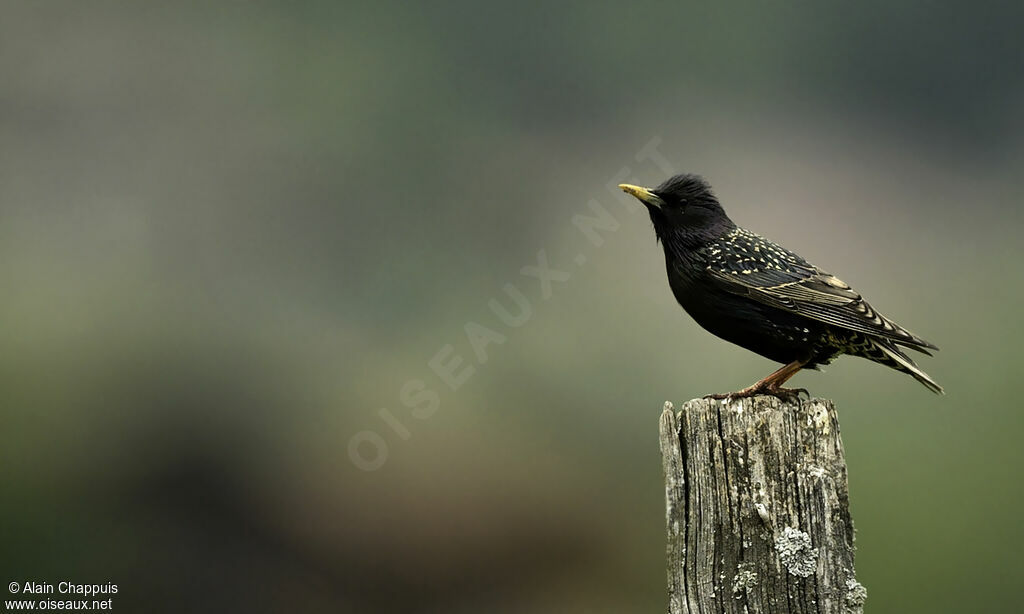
891, 356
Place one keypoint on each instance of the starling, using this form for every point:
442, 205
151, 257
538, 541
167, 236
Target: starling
759, 295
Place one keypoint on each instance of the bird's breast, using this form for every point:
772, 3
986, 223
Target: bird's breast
772, 333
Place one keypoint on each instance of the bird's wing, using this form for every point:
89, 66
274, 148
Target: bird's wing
750, 265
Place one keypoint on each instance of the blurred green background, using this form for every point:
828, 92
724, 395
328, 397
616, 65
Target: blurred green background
231, 234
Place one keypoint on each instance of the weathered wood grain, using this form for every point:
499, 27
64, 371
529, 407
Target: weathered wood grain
757, 509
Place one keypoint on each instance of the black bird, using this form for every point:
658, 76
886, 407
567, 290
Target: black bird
759, 295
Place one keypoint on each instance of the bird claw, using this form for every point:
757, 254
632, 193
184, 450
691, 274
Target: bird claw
732, 396
728, 396
789, 395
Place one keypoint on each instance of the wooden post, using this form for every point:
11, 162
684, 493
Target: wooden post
757, 509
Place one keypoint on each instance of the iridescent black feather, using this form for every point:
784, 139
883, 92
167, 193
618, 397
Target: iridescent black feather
763, 297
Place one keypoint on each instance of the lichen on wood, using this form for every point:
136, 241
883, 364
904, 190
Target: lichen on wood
757, 508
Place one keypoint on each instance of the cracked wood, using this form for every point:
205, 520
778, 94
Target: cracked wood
757, 509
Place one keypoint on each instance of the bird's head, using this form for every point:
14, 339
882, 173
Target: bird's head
682, 208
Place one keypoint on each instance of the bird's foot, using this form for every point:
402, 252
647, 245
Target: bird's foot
789, 395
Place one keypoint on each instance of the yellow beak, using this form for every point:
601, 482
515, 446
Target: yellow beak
642, 194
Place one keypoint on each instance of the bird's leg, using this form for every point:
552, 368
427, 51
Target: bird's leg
771, 385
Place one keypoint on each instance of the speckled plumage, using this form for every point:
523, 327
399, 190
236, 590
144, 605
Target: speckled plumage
762, 296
